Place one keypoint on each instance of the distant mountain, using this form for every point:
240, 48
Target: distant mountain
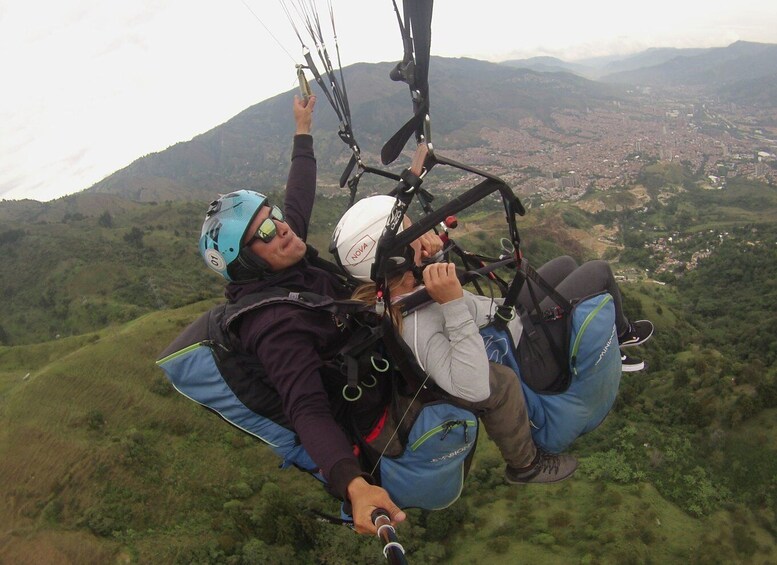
468, 97
649, 58
252, 149
712, 69
76, 205
597, 67
760, 91
552, 64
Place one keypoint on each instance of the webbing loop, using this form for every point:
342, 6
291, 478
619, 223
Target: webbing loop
500, 313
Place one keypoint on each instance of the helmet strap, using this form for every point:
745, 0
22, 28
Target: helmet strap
248, 267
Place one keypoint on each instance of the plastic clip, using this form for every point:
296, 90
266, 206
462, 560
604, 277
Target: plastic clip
380, 306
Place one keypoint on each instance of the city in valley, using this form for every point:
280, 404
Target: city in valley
599, 149
608, 146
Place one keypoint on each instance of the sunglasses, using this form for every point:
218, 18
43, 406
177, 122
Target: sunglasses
267, 229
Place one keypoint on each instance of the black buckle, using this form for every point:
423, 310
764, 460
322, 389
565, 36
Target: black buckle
554, 313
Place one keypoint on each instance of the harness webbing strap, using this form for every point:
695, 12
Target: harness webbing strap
403, 357
393, 147
554, 347
549, 289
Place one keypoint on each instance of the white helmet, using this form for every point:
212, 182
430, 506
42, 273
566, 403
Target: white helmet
356, 236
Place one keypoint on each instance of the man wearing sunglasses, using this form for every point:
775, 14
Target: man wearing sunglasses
255, 246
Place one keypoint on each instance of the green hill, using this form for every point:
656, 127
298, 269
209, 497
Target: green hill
68, 273
103, 462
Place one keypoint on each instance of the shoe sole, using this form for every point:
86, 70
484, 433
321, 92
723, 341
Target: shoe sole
633, 368
539, 483
543, 482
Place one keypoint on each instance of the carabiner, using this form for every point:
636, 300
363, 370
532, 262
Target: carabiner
358, 393
370, 384
380, 370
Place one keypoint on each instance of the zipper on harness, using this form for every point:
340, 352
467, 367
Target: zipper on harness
445, 428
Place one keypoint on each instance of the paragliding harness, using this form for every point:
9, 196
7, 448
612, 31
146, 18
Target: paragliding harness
569, 384
418, 442
570, 374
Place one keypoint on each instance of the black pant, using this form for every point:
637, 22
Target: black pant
575, 282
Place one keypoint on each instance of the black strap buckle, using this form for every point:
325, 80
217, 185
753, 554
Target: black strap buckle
554, 313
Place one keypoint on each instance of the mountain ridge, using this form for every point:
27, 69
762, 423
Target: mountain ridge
251, 149
710, 68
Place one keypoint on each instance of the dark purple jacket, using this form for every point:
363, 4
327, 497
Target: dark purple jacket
292, 343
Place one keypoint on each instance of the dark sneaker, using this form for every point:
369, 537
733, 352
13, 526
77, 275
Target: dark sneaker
637, 334
631, 364
546, 468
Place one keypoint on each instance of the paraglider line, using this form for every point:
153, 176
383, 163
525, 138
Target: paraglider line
268, 31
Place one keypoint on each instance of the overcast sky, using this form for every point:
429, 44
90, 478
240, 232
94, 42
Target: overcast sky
88, 86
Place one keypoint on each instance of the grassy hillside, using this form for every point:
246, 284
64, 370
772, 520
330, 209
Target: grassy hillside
103, 462
68, 273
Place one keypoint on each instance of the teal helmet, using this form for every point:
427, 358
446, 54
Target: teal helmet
221, 239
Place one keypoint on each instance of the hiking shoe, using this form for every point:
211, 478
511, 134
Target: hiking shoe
631, 364
546, 468
637, 334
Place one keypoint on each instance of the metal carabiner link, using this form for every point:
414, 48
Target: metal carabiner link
369, 384
354, 398
379, 369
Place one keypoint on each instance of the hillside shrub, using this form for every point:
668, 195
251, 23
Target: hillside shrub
161, 386
52, 512
500, 545
612, 466
107, 518
134, 237
95, 420
105, 220
256, 552
10, 237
